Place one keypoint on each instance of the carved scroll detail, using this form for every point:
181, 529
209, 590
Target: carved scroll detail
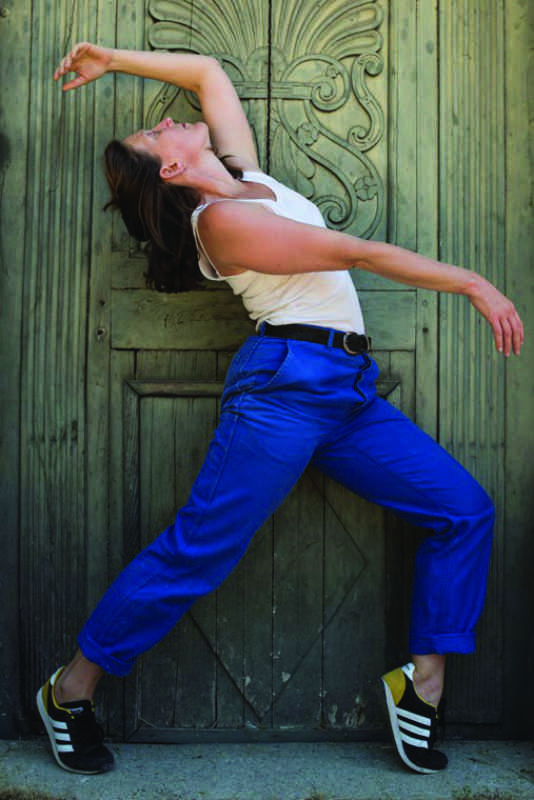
307, 89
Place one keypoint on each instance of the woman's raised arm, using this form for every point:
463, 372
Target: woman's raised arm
221, 108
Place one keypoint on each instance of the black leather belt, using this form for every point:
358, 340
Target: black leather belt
351, 342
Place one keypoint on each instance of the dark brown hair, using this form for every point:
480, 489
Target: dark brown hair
156, 212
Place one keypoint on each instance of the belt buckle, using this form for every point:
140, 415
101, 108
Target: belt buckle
348, 349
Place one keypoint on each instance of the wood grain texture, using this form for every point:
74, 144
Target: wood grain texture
472, 233
416, 131
261, 651
518, 594
15, 38
216, 321
54, 304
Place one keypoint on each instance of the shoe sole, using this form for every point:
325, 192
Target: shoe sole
392, 713
52, 738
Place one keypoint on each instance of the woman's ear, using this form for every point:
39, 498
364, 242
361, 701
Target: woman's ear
172, 170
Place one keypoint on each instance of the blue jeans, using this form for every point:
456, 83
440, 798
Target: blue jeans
287, 404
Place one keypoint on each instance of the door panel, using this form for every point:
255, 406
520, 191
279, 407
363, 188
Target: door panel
409, 120
279, 646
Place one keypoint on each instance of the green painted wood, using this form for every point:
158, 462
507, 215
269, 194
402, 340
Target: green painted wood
216, 321
427, 211
56, 241
518, 595
412, 132
112, 700
98, 386
219, 664
15, 38
297, 606
71, 278
328, 95
471, 375
355, 624
269, 646
193, 321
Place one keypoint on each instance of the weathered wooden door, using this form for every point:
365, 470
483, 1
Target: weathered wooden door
296, 638
119, 386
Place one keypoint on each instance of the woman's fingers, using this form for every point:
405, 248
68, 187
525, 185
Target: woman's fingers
508, 333
74, 83
507, 336
71, 62
518, 334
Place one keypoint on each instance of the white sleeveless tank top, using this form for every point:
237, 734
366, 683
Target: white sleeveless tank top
326, 299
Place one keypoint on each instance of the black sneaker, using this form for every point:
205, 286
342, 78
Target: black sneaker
74, 733
413, 722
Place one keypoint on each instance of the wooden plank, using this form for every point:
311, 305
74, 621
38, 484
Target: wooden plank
173, 431
157, 460
471, 377
298, 617
58, 194
99, 327
110, 699
403, 370
426, 220
518, 600
163, 387
402, 177
195, 321
259, 615
196, 669
15, 46
162, 699
354, 620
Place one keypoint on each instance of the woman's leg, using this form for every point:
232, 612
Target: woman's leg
429, 675
259, 450
384, 457
251, 465
78, 680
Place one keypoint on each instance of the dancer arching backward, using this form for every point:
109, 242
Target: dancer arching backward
300, 391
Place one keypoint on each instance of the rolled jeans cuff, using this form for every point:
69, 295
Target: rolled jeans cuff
94, 653
441, 644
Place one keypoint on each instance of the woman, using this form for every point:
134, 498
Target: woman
300, 391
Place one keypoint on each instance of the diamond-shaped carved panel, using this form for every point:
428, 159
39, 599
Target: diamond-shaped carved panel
302, 603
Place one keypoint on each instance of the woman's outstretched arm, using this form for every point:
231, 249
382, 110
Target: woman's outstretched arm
221, 108
240, 237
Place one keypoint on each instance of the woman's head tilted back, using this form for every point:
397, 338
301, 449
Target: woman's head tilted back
156, 212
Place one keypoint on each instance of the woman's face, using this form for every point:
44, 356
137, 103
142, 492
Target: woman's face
170, 141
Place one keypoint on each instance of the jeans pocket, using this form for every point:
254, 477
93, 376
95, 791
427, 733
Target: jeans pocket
262, 368
272, 365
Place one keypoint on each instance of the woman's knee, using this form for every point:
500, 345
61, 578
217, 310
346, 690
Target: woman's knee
474, 514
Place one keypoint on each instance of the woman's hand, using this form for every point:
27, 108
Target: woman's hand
501, 315
89, 62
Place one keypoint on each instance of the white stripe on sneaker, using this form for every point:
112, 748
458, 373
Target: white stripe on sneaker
401, 712
62, 737
405, 726
414, 742
58, 725
65, 748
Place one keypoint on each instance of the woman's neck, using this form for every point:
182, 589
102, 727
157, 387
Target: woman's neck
212, 180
